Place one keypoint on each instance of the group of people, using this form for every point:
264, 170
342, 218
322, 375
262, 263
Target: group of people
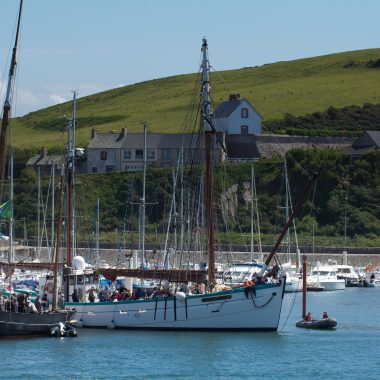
124, 294
310, 318
22, 303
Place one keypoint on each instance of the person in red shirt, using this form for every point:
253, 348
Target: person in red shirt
309, 317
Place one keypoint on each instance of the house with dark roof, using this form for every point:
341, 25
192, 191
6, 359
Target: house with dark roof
237, 116
43, 162
124, 151
368, 141
104, 151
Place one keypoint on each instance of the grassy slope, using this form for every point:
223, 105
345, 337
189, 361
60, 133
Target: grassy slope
299, 87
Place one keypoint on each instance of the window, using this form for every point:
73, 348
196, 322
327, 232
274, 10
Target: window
103, 155
132, 167
139, 154
244, 129
166, 154
94, 169
151, 154
244, 113
127, 154
110, 168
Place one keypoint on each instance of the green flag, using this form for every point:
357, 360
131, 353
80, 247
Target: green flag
6, 210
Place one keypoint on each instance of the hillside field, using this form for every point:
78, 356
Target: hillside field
297, 87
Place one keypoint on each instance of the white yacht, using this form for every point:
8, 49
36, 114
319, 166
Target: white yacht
348, 274
238, 274
325, 276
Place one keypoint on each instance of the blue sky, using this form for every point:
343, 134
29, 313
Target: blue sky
95, 45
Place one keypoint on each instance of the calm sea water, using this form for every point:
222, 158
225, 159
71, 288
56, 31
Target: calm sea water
352, 351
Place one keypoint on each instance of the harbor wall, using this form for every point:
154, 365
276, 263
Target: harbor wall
361, 257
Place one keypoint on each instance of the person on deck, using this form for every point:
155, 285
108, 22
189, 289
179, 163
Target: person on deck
197, 290
38, 304
74, 296
21, 302
45, 302
309, 317
61, 301
91, 296
325, 315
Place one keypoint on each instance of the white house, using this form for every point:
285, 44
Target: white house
237, 116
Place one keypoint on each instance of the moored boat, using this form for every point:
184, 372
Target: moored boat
325, 276
256, 307
326, 323
29, 324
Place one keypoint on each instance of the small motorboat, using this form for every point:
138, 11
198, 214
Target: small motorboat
308, 322
325, 323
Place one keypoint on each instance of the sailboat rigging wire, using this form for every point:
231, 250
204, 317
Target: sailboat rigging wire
290, 311
221, 78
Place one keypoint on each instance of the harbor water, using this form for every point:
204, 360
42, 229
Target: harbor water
351, 351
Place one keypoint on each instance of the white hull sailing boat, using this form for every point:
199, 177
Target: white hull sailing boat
249, 308
255, 308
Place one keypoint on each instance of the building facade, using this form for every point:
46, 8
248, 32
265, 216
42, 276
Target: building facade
124, 151
237, 116
43, 163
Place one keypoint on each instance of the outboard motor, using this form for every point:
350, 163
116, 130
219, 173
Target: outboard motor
71, 330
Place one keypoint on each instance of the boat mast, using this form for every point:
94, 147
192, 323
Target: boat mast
57, 245
70, 185
209, 143
254, 198
11, 219
39, 238
142, 200
7, 104
287, 209
52, 207
97, 229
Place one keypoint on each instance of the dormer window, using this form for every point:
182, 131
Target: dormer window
244, 113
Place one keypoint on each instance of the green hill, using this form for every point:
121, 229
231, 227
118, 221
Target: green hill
297, 87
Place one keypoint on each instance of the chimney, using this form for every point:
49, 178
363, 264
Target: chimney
93, 133
234, 97
123, 132
43, 152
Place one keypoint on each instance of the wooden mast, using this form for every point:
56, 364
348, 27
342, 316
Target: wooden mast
304, 284
209, 143
295, 212
7, 104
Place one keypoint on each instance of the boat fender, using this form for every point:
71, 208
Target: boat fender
181, 296
111, 326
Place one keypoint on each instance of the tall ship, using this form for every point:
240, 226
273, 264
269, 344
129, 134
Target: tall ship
252, 307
